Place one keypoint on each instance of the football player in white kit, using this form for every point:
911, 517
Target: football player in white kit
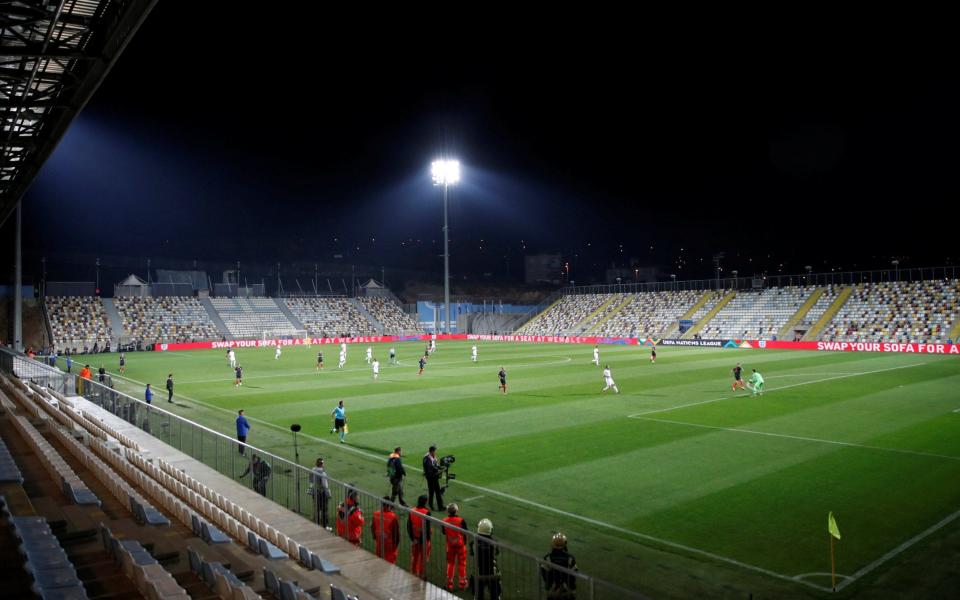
608, 379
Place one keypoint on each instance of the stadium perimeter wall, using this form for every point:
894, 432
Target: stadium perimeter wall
893, 347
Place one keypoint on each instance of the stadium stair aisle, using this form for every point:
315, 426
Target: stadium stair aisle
526, 326
698, 327
116, 323
955, 330
612, 313
215, 317
378, 327
828, 314
283, 308
374, 577
784, 332
672, 329
579, 327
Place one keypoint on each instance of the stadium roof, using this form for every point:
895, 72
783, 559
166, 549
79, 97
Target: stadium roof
53, 56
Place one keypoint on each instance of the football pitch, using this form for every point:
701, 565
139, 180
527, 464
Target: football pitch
676, 487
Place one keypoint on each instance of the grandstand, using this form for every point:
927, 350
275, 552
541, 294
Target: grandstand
756, 314
78, 322
918, 311
649, 314
830, 293
329, 316
248, 318
165, 319
175, 528
388, 314
566, 316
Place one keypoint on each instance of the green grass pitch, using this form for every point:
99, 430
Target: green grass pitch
676, 487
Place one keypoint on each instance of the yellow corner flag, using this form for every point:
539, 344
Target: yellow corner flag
832, 526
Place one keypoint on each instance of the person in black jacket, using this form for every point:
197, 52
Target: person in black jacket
560, 585
396, 473
431, 470
488, 575
170, 387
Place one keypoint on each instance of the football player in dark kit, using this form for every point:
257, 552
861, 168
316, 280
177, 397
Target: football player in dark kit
319, 361
423, 363
738, 378
503, 380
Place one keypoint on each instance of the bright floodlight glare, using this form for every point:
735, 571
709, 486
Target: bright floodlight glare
445, 172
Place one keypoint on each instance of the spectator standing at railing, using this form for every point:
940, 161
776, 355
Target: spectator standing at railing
260, 470
456, 547
148, 395
101, 373
69, 363
321, 494
350, 518
418, 530
386, 531
488, 576
559, 585
243, 427
170, 387
84, 376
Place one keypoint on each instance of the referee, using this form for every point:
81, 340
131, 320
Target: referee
340, 421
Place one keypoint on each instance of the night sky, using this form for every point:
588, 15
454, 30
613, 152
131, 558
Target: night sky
233, 137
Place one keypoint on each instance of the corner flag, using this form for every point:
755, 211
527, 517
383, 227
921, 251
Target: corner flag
832, 526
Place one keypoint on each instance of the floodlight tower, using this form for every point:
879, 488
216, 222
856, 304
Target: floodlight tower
446, 173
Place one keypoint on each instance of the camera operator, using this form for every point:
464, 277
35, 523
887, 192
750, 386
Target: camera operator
432, 471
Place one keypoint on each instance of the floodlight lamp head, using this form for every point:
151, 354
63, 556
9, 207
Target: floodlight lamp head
445, 172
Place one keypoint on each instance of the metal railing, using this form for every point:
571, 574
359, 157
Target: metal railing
519, 574
760, 281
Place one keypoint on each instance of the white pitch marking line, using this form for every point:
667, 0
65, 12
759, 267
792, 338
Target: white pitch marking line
472, 498
956, 410
660, 410
805, 575
544, 507
899, 549
801, 438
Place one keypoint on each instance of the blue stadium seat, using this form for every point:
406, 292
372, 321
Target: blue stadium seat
270, 551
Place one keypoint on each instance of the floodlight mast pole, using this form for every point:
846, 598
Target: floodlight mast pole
446, 258
445, 173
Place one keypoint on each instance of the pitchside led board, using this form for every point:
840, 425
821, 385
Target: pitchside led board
893, 347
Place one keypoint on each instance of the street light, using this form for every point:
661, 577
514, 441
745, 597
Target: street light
446, 173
